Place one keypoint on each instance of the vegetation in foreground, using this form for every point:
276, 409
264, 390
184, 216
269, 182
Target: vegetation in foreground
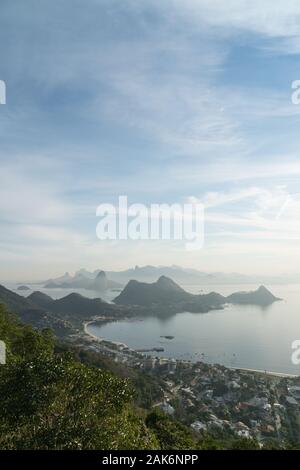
50, 399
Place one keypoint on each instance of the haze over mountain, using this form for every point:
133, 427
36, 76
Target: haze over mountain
261, 296
100, 280
187, 276
163, 297
32, 312
165, 292
83, 279
62, 315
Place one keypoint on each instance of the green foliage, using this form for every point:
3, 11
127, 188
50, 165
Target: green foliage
170, 434
22, 341
57, 397
56, 403
51, 401
244, 444
208, 442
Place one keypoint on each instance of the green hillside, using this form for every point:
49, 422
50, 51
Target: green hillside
52, 398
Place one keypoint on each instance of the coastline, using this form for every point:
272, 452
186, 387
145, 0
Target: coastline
243, 369
85, 325
101, 340
264, 372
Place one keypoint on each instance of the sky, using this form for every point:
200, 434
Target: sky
164, 101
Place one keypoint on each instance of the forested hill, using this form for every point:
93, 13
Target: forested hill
51, 399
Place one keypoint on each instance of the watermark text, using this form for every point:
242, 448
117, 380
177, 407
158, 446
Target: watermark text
154, 222
2, 92
296, 93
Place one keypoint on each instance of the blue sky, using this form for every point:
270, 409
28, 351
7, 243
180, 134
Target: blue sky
161, 101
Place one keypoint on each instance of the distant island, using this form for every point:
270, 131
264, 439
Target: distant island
23, 287
262, 296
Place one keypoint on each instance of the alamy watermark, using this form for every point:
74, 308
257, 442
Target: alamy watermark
2, 353
2, 92
296, 354
296, 93
154, 222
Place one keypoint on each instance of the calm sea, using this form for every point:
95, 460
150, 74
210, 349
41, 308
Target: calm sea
239, 336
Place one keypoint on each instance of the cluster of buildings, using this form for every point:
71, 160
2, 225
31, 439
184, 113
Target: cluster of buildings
215, 399
237, 403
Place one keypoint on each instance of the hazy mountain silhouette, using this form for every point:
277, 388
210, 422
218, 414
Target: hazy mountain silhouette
83, 279
262, 296
166, 292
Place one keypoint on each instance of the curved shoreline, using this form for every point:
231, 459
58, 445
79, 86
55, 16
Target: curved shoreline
100, 340
85, 325
264, 372
245, 369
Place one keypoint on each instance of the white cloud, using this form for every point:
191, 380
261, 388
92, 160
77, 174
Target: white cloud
160, 81
280, 18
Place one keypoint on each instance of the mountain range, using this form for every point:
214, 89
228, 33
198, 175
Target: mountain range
96, 281
63, 315
33, 313
184, 276
163, 297
166, 293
